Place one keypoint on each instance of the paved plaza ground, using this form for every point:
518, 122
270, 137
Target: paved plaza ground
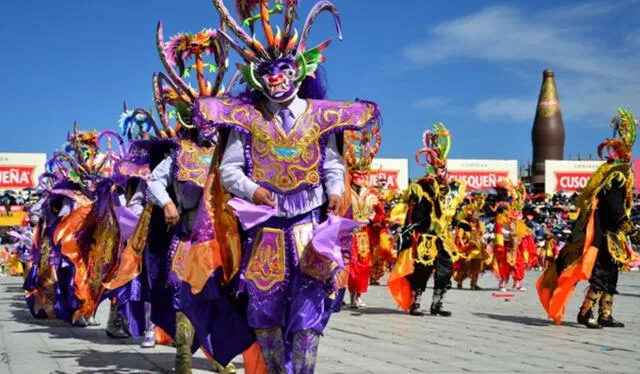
486, 335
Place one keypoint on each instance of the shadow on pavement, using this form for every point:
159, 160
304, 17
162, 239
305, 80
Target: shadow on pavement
523, 320
125, 362
629, 294
371, 310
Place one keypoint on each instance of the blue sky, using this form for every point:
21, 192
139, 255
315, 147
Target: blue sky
474, 65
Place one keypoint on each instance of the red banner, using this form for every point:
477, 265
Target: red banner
479, 180
572, 181
390, 175
12, 177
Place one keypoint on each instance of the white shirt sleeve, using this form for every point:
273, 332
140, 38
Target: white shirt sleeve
161, 178
232, 168
334, 168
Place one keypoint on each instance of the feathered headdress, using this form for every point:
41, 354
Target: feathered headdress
172, 89
517, 196
619, 147
136, 124
435, 150
361, 148
279, 44
82, 160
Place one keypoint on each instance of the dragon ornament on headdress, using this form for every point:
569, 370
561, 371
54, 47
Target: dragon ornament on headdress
619, 147
435, 150
616, 168
278, 68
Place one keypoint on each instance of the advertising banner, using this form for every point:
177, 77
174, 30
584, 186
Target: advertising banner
21, 170
395, 170
568, 175
17, 172
482, 174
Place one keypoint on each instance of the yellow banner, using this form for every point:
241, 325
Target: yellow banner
14, 219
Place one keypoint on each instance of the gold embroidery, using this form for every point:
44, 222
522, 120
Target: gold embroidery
193, 162
288, 161
617, 246
267, 264
362, 204
302, 234
362, 243
427, 249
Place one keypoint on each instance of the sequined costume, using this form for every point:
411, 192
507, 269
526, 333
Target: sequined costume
384, 252
514, 246
469, 232
362, 198
426, 242
598, 246
283, 141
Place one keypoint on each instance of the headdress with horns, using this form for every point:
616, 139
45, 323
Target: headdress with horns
361, 148
281, 44
619, 147
435, 150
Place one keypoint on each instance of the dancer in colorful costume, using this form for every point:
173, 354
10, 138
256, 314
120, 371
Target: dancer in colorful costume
384, 254
185, 263
130, 314
282, 155
89, 235
514, 247
469, 240
426, 242
360, 149
41, 281
598, 247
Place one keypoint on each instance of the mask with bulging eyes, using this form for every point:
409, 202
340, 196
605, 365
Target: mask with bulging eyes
278, 79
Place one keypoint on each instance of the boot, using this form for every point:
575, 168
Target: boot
605, 318
585, 315
115, 328
436, 303
415, 310
184, 340
304, 351
149, 329
273, 350
474, 282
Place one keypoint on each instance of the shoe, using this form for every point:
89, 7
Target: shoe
117, 333
91, 321
518, 287
503, 286
438, 311
609, 322
230, 369
415, 310
588, 321
149, 340
360, 303
81, 322
476, 288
